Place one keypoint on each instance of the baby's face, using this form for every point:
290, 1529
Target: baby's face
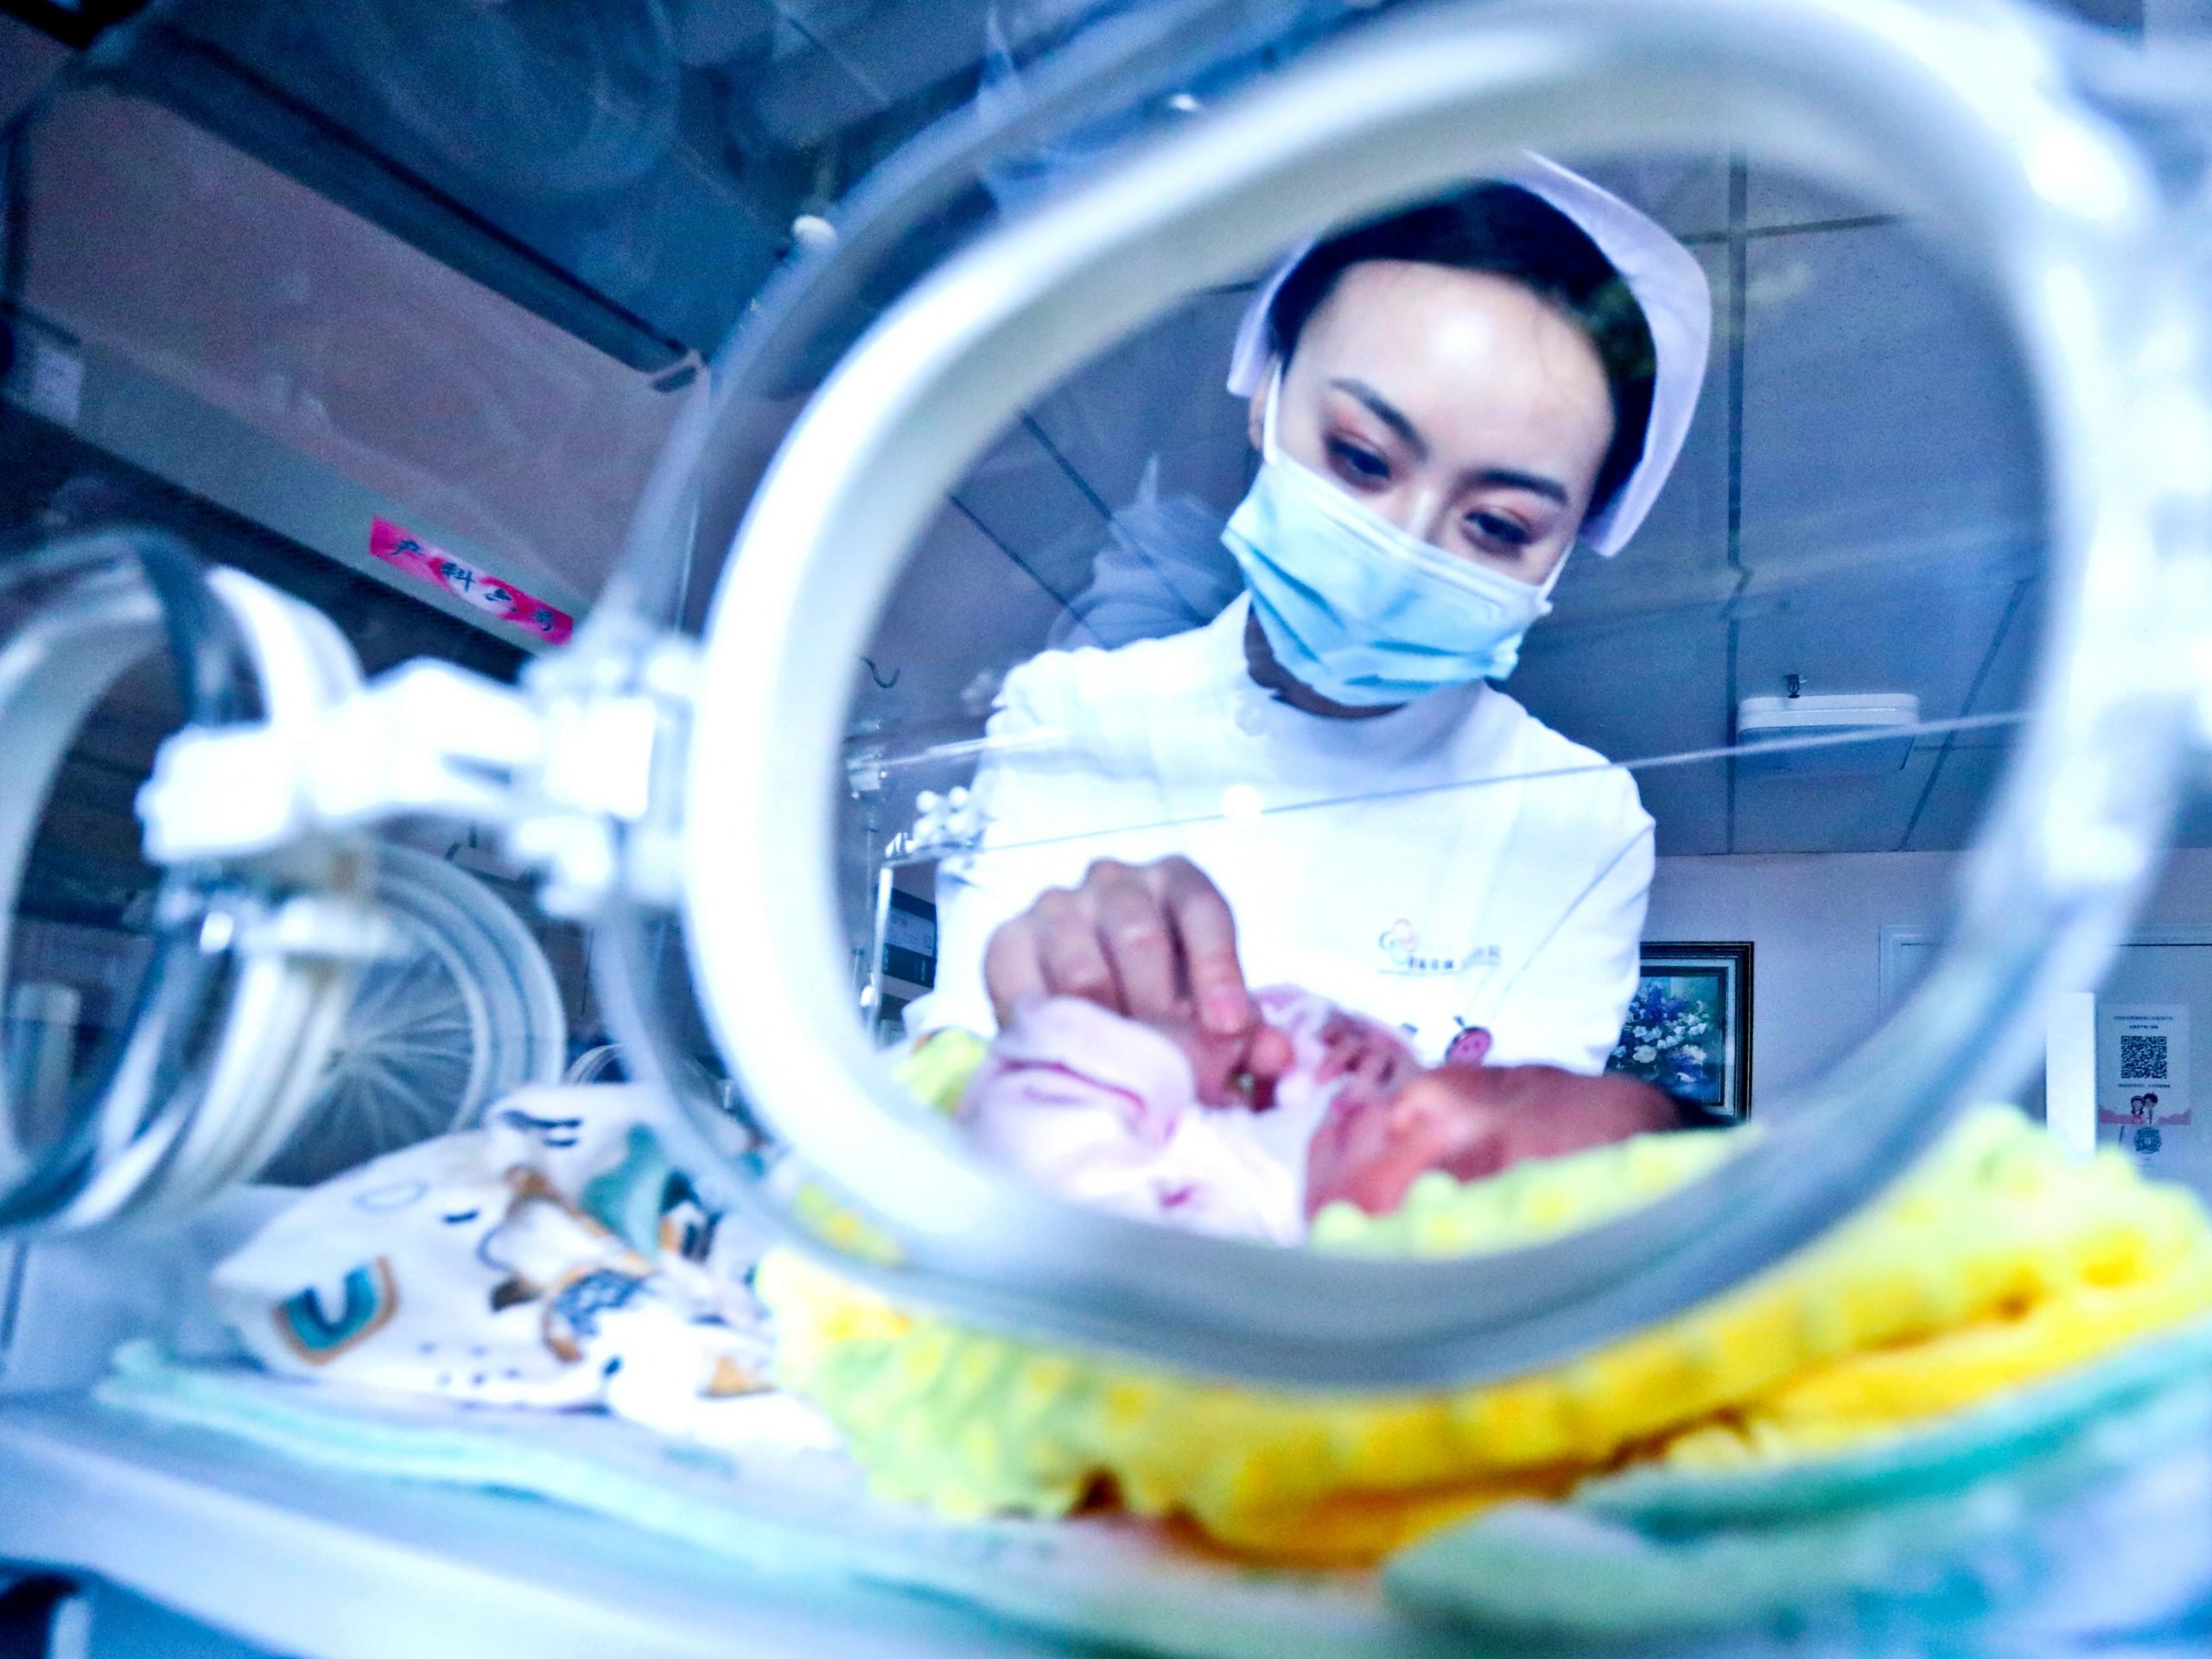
1469, 1121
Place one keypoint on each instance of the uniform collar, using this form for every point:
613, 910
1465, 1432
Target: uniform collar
1417, 722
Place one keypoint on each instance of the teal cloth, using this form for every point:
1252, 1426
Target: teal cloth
801, 1517
1999, 1436
2072, 1516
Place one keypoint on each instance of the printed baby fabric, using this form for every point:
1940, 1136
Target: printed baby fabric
555, 1257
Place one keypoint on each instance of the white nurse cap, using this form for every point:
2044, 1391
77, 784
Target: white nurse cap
1668, 284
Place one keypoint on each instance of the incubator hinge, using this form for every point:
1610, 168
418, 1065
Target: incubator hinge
576, 770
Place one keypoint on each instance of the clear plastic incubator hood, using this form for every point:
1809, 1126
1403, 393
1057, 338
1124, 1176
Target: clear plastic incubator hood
919, 613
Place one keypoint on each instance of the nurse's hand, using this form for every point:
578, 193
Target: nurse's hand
1149, 941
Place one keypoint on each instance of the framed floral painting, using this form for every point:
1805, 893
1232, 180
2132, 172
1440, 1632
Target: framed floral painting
1689, 1025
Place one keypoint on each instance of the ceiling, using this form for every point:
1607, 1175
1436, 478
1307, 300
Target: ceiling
260, 314
451, 266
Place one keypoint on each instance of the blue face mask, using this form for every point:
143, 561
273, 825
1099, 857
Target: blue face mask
1356, 609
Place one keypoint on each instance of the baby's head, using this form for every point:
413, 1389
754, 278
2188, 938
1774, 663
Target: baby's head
1469, 1121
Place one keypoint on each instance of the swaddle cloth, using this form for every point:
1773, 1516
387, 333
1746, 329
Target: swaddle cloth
1104, 1111
554, 1257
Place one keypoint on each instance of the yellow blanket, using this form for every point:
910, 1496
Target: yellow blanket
1993, 1263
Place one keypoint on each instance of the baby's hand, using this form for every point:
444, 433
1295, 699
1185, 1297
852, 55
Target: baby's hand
1373, 1061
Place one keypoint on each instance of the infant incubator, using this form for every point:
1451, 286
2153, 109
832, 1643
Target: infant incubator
569, 567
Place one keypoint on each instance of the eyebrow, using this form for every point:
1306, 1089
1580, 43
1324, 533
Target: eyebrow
1391, 415
1536, 483
1387, 412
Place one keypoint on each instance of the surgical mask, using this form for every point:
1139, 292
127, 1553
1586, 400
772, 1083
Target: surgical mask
1358, 610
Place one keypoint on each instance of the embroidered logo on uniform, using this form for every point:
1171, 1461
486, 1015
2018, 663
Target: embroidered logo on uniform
1401, 952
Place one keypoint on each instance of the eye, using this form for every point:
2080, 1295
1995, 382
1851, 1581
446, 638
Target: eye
1498, 530
1358, 464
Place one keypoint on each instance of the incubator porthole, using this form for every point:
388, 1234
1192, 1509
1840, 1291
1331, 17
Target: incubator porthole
1947, 597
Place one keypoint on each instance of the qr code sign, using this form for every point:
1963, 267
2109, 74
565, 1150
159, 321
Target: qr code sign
2143, 1059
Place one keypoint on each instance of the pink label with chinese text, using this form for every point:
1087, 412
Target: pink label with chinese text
465, 581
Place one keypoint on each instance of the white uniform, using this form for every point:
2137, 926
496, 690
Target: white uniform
1515, 905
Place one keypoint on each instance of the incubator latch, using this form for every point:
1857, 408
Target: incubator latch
603, 808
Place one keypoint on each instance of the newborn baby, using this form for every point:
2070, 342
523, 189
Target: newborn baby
1151, 1119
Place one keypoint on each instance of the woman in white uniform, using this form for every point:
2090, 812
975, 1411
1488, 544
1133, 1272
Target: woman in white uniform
1446, 403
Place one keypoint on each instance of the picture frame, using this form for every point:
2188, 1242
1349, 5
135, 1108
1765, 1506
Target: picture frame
1689, 1029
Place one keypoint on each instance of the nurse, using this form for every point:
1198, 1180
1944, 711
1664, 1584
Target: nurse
1323, 785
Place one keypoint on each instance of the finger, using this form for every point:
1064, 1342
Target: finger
1012, 970
1075, 960
1339, 1047
1271, 1055
1219, 1081
1207, 933
1140, 949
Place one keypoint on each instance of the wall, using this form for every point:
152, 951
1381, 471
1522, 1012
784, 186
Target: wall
1817, 921
2174, 21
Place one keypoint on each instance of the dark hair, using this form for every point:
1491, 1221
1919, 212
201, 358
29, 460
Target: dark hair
1508, 231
